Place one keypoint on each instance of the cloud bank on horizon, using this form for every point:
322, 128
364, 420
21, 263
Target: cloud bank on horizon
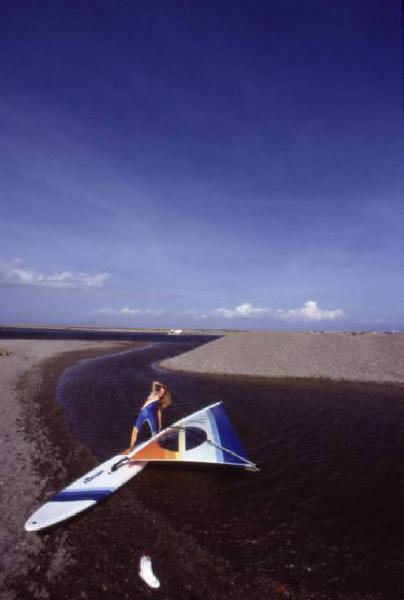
126, 311
309, 312
14, 274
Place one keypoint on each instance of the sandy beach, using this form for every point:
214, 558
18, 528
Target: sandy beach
93, 556
26, 448
87, 558
350, 356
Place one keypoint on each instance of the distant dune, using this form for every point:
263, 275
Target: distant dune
355, 356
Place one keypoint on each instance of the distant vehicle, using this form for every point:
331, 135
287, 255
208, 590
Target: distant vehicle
174, 331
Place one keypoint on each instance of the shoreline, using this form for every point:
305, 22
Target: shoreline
24, 329
95, 555
36, 457
349, 356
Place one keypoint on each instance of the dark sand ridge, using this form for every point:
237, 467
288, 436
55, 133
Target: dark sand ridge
351, 356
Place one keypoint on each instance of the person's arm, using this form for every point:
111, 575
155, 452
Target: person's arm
155, 385
159, 419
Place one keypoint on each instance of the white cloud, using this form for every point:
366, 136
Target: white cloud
104, 311
127, 311
243, 311
13, 273
311, 312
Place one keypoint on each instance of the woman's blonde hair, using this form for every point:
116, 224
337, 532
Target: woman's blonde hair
156, 388
167, 398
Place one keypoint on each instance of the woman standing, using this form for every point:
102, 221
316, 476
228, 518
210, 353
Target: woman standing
151, 411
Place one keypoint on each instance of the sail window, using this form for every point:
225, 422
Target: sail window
169, 441
194, 437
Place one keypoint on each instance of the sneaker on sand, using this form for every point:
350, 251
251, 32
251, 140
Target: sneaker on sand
146, 572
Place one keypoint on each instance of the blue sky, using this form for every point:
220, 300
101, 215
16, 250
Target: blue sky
202, 164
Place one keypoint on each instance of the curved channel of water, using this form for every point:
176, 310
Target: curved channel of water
325, 512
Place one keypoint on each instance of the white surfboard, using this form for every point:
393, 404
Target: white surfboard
84, 493
206, 436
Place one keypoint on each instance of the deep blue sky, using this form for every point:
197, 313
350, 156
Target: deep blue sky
202, 163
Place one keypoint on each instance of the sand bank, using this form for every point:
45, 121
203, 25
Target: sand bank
25, 447
96, 555
351, 356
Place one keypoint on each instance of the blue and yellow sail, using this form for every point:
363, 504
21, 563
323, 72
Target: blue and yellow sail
206, 436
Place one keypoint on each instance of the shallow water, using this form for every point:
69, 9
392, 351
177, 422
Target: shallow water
325, 512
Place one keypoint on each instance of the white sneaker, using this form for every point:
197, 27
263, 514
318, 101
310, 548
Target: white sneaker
146, 572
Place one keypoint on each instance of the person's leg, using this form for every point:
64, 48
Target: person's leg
133, 437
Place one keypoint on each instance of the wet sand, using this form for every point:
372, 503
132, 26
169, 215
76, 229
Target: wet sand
31, 422
323, 514
96, 556
350, 356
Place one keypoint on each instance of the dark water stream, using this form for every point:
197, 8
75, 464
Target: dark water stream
324, 513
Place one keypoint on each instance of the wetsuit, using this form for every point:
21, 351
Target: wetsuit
148, 413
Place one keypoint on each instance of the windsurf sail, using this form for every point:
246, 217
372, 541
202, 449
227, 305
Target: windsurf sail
206, 436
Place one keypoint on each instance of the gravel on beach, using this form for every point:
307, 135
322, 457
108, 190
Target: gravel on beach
350, 356
40, 454
26, 449
86, 558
